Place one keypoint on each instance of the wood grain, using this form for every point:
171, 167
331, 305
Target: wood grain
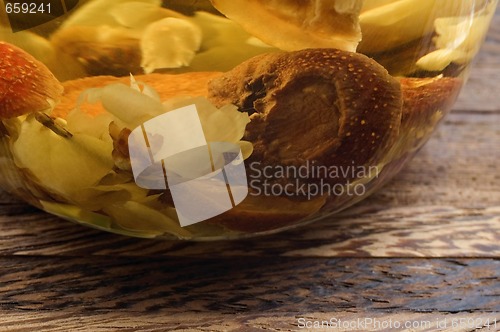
168, 293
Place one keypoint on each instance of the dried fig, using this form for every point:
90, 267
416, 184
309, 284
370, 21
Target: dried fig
322, 106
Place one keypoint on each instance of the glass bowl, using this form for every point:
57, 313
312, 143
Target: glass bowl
222, 119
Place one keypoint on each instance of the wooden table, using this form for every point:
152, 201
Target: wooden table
425, 251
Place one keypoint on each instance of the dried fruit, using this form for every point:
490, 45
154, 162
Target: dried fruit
61, 165
320, 105
266, 213
425, 102
396, 23
122, 36
458, 39
293, 25
225, 44
26, 85
169, 86
101, 49
63, 66
169, 43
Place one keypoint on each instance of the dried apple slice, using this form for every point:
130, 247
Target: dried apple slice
169, 43
72, 213
62, 165
293, 25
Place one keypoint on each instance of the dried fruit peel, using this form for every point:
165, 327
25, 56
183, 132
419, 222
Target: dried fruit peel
397, 23
26, 84
121, 36
293, 25
458, 39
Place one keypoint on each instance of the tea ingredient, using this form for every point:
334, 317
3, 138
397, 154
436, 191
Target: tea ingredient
169, 43
141, 218
293, 25
343, 108
115, 13
122, 36
458, 39
396, 23
26, 84
61, 165
225, 44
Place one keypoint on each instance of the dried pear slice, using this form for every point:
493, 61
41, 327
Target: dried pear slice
140, 218
72, 213
169, 43
107, 12
293, 25
225, 44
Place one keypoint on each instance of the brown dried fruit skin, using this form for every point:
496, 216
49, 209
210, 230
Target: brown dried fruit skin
423, 97
26, 85
332, 107
267, 213
100, 56
425, 102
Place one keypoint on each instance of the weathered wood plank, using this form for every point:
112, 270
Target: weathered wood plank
357, 321
169, 285
149, 294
